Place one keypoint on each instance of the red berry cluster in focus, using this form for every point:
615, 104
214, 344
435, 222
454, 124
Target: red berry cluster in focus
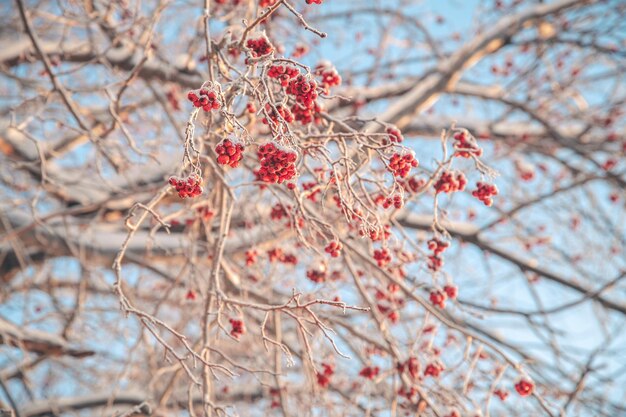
466, 146
259, 47
283, 73
277, 165
187, 187
304, 90
484, 192
450, 182
333, 248
237, 328
400, 165
524, 387
207, 99
229, 153
323, 378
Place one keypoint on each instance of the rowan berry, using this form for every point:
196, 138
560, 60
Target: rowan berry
438, 298
229, 152
484, 192
260, 46
369, 372
237, 328
400, 165
450, 182
333, 248
382, 257
205, 98
524, 387
466, 146
277, 163
187, 187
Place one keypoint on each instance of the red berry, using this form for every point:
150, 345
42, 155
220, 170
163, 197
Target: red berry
438, 298
524, 387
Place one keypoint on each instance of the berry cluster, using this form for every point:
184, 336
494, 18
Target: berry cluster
251, 256
396, 201
411, 366
438, 298
437, 246
283, 73
484, 192
237, 328
278, 212
400, 165
382, 257
323, 378
275, 396
466, 146
307, 115
376, 234
413, 185
277, 254
259, 47
451, 291
369, 372
314, 1
316, 275
435, 261
502, 394
395, 135
304, 90
434, 369
229, 153
333, 248
524, 387
281, 112
450, 182
205, 213
328, 75
277, 165
204, 98
187, 187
